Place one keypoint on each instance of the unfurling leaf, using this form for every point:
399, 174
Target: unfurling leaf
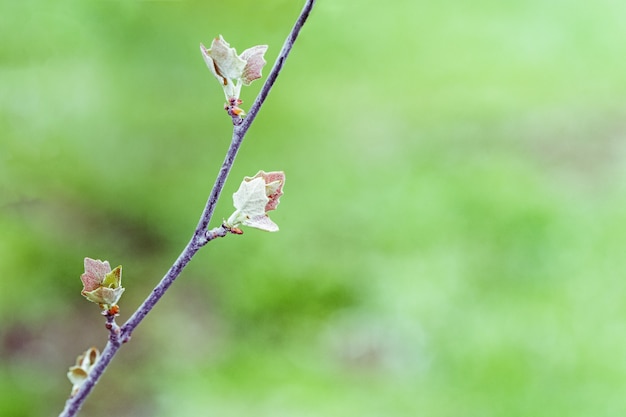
232, 70
226, 63
78, 373
274, 182
250, 198
255, 197
262, 222
255, 62
100, 284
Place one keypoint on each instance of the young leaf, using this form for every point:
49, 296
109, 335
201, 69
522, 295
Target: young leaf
262, 222
250, 198
100, 284
254, 63
274, 182
78, 373
232, 70
95, 271
255, 197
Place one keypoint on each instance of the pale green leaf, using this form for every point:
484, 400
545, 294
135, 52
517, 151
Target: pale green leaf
250, 198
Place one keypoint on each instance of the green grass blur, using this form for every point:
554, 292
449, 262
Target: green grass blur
452, 233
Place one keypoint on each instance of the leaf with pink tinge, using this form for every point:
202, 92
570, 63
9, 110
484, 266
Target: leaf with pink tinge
95, 272
100, 284
261, 222
255, 197
274, 182
232, 70
255, 62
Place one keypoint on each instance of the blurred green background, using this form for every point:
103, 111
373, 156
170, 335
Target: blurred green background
452, 233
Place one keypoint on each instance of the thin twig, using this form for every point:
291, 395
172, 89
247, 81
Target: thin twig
278, 65
201, 235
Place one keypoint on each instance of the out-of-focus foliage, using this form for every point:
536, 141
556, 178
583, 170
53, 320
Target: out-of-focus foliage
452, 230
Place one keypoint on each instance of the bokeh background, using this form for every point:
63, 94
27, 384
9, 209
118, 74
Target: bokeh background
452, 235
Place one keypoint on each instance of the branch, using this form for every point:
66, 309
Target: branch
278, 65
201, 235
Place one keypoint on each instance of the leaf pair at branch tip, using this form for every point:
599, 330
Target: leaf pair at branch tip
255, 197
232, 70
102, 285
